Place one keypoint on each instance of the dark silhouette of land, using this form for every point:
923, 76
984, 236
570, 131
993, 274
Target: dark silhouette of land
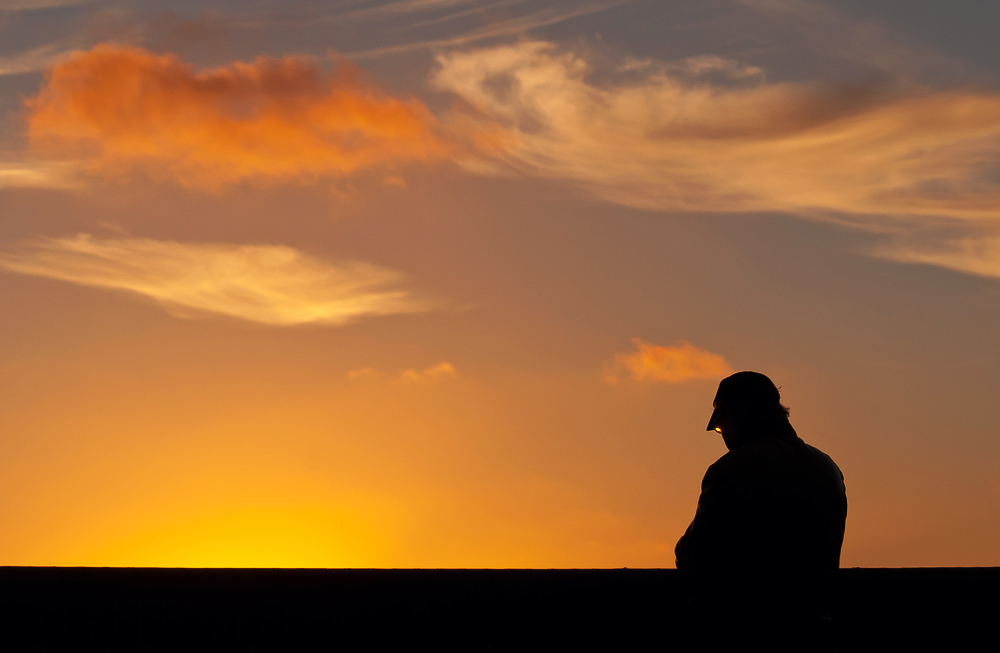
113, 609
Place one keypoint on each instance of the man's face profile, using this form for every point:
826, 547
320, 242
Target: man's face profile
725, 425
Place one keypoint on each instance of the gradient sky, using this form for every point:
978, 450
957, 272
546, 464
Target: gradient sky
451, 283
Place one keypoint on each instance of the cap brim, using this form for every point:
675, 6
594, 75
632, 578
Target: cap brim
712, 422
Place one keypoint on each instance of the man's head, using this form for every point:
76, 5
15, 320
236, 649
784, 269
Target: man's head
747, 406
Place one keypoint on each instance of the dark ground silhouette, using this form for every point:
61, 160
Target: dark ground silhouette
112, 609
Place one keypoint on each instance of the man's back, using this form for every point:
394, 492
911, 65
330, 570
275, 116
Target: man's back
765, 542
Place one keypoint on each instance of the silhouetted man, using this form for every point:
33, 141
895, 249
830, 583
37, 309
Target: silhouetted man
761, 555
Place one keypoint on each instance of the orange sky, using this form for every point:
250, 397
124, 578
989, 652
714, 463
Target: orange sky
451, 284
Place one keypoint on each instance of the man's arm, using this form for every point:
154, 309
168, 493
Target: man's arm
703, 544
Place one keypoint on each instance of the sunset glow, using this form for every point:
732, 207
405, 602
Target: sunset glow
441, 283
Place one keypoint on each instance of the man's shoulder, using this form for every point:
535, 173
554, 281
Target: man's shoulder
826, 461
724, 462
751, 452
791, 450
819, 456
732, 464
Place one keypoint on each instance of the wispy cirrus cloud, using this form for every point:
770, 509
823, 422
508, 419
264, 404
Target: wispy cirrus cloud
975, 255
672, 364
34, 59
27, 174
288, 118
403, 8
267, 284
823, 28
666, 139
540, 15
35, 5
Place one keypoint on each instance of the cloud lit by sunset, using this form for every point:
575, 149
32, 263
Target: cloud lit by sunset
290, 117
671, 137
266, 284
674, 363
442, 370
439, 371
978, 256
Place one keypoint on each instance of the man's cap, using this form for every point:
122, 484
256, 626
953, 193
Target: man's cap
743, 387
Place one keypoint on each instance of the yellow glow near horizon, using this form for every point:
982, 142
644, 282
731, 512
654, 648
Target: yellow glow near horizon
251, 536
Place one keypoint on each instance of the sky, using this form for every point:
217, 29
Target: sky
452, 283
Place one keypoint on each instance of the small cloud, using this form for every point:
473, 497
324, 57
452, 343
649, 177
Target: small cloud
437, 372
269, 284
729, 68
674, 364
440, 371
630, 64
410, 376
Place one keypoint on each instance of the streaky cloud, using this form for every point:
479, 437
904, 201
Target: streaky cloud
979, 256
35, 5
34, 174
268, 284
402, 8
35, 59
670, 141
822, 27
707, 134
514, 26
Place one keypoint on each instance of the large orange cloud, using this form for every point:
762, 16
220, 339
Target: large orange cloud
278, 118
